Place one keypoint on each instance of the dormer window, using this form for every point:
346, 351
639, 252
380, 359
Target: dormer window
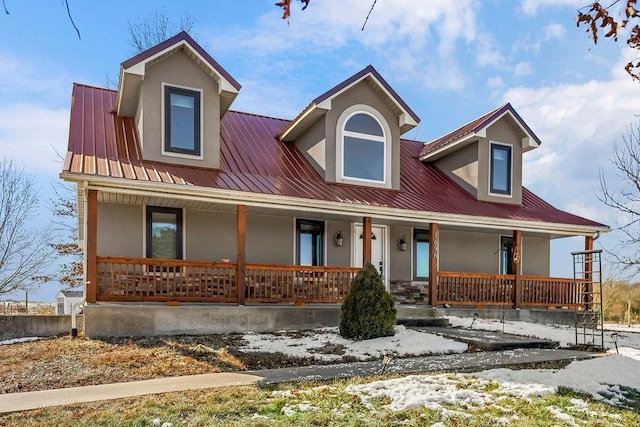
501, 169
363, 147
182, 131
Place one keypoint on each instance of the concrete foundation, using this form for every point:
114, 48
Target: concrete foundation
36, 326
149, 319
155, 319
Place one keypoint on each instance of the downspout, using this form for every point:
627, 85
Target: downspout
596, 236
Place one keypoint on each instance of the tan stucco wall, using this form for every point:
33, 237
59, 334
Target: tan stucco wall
468, 252
503, 133
462, 167
338, 256
210, 236
270, 239
358, 94
120, 230
179, 70
313, 147
400, 262
536, 256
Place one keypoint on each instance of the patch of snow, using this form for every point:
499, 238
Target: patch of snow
19, 340
565, 335
291, 410
315, 345
257, 416
602, 378
559, 414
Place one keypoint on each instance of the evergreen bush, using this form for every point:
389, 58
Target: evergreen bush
368, 310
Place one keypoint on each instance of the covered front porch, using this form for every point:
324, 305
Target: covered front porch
233, 280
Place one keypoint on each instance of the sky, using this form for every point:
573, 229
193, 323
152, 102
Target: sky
450, 61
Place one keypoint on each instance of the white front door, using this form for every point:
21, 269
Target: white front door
378, 245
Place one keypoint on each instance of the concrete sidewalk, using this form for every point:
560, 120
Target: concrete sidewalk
14, 402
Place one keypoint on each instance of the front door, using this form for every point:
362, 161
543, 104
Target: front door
378, 238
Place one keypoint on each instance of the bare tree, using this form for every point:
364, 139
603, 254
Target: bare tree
156, 28
64, 207
25, 251
625, 199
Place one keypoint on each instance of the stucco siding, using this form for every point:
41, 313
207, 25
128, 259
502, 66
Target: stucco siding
536, 256
469, 252
120, 230
270, 239
210, 236
462, 167
179, 70
338, 256
400, 261
313, 146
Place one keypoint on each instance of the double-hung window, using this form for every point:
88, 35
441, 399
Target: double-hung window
309, 242
421, 254
182, 121
164, 233
500, 179
363, 148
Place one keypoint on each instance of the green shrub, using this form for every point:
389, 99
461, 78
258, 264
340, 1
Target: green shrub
368, 310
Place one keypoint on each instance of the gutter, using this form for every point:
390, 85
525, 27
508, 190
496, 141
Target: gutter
209, 195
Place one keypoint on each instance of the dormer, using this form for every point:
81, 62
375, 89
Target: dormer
351, 133
177, 94
485, 155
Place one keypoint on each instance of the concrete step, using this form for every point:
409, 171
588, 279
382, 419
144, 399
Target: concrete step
479, 340
420, 322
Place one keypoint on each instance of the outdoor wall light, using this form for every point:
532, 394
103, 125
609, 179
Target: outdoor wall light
338, 239
402, 244
373, 236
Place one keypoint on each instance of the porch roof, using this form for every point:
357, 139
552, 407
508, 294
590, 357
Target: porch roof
254, 160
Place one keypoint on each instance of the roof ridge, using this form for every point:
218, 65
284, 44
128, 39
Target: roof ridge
94, 87
258, 115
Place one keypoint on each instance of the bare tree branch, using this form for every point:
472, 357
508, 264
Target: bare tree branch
66, 2
156, 28
368, 14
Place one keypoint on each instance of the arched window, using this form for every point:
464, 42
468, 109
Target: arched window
364, 148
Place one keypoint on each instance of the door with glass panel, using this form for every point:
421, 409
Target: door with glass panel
378, 236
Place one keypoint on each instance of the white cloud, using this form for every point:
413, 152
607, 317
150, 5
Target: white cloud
522, 69
28, 133
554, 31
495, 83
531, 7
578, 125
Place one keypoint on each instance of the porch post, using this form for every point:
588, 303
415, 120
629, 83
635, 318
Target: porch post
434, 249
92, 246
517, 264
241, 252
366, 240
588, 271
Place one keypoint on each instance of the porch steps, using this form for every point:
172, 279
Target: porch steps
479, 340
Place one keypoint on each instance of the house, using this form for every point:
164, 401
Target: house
182, 199
66, 299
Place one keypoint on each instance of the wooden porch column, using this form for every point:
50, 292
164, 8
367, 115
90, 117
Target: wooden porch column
434, 249
588, 272
366, 240
517, 267
241, 252
92, 246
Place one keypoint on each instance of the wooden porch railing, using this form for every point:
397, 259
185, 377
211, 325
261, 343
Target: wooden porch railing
144, 279
456, 288
298, 283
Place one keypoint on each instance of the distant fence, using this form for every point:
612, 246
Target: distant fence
36, 326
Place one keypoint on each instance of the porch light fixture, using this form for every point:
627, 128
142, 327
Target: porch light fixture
402, 244
339, 241
373, 236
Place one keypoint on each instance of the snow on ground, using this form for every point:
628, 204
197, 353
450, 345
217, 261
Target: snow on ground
326, 344
19, 340
601, 377
565, 335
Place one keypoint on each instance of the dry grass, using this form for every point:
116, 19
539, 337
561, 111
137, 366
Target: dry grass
65, 362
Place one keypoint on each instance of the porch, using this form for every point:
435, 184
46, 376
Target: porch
163, 280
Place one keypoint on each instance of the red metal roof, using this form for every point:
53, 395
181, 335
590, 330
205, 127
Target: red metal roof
475, 126
254, 160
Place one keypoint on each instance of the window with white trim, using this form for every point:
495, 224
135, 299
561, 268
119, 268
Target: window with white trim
182, 121
364, 148
500, 173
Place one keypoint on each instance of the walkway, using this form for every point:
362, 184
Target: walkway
13, 402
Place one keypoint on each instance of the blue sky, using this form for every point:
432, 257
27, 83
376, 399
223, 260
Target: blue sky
450, 61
